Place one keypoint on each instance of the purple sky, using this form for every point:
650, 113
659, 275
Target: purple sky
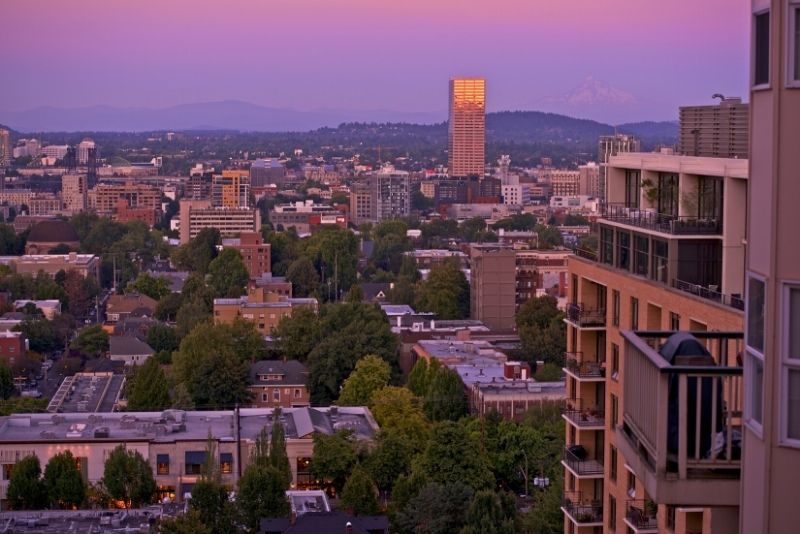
368, 54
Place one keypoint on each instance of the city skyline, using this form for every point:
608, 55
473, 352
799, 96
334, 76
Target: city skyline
286, 55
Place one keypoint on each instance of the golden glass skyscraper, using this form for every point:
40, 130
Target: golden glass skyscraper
467, 127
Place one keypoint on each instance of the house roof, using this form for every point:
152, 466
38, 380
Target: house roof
128, 346
130, 302
292, 371
375, 290
53, 231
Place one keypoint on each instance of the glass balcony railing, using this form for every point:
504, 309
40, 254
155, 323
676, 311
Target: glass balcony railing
650, 219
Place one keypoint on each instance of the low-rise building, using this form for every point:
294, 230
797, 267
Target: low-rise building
50, 308
306, 216
260, 307
255, 253
48, 234
196, 215
277, 383
87, 265
128, 349
119, 307
88, 393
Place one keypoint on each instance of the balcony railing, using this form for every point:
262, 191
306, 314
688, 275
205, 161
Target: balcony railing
584, 414
682, 418
586, 317
586, 253
579, 461
581, 508
642, 514
660, 222
577, 365
710, 293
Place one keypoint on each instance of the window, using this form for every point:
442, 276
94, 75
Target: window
754, 385
667, 194
660, 259
641, 251
612, 512
7, 469
634, 313
297, 393
615, 307
624, 250
754, 362
793, 75
761, 49
194, 460
276, 394
633, 186
791, 367
614, 361
264, 397
631, 485
614, 411
226, 463
755, 313
674, 321
607, 246
162, 464
612, 472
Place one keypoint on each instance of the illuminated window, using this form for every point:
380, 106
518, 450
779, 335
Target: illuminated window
162, 464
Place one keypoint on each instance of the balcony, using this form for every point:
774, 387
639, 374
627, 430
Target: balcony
582, 510
582, 316
583, 369
650, 219
577, 460
710, 293
681, 425
585, 415
587, 254
642, 516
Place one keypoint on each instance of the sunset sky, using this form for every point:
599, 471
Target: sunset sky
368, 54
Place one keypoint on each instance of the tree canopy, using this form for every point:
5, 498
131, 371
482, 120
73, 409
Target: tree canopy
128, 477
445, 292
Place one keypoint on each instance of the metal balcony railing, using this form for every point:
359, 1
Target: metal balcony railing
661, 222
642, 514
586, 317
577, 365
584, 414
734, 301
581, 508
578, 460
682, 418
586, 253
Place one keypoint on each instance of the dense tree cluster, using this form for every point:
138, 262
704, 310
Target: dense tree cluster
542, 330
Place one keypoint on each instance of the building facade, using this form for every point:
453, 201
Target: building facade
492, 286
719, 131
195, 215
391, 191
261, 307
565, 183
105, 198
362, 204
467, 127
255, 254
231, 189
611, 145
75, 192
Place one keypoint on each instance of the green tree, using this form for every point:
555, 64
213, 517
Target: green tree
445, 398
149, 389
356, 294
91, 341
26, 490
487, 514
261, 493
370, 374
299, 334
152, 286
80, 292
278, 458
128, 477
418, 378
472, 229
163, 338
303, 276
228, 275
6, 381
437, 509
192, 312
546, 515
211, 504
391, 459
40, 334
168, 306
397, 410
359, 494
542, 330
199, 252
334, 457
549, 236
62, 480
390, 244
189, 523
452, 456
445, 292
334, 252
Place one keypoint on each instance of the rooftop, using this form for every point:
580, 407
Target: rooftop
128, 346
288, 372
87, 393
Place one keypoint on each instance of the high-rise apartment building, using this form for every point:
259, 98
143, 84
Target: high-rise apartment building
565, 183
391, 191
74, 192
362, 203
493, 271
267, 171
589, 182
5, 148
467, 127
611, 145
771, 457
718, 131
671, 257
231, 189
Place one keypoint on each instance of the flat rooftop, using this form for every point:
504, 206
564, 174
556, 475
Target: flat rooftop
87, 393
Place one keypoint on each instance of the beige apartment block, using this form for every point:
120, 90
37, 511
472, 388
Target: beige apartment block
195, 215
467, 127
671, 257
493, 285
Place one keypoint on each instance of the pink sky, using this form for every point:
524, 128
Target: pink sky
367, 54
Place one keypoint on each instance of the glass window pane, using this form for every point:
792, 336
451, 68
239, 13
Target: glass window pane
794, 323
761, 52
796, 44
755, 402
793, 402
755, 314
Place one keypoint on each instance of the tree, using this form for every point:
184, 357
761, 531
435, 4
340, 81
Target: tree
452, 456
278, 458
403, 292
26, 490
228, 275
199, 252
261, 493
192, 312
487, 514
298, 334
390, 242
396, 409
303, 276
472, 229
188, 523
445, 398
91, 341
359, 494
80, 292
549, 236
445, 292
63, 482
370, 374
162, 337
211, 504
437, 509
334, 252
391, 459
128, 477
356, 294
6, 381
39, 333
419, 379
542, 331
168, 306
149, 390
154, 287
334, 457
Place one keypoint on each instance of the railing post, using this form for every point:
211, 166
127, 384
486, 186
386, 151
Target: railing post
682, 420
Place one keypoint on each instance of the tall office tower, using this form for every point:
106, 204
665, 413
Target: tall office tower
74, 192
5, 148
718, 131
611, 145
267, 171
671, 257
391, 191
231, 189
467, 127
493, 290
82, 150
771, 459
